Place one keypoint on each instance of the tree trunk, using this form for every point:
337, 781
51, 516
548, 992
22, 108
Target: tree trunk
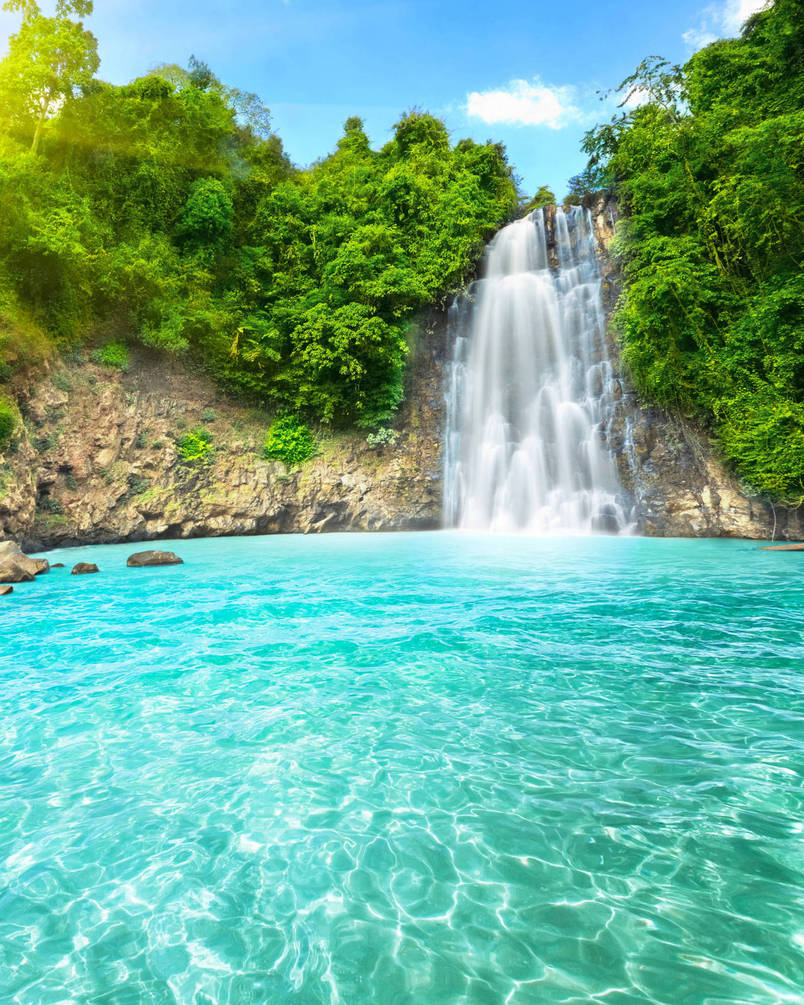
39, 125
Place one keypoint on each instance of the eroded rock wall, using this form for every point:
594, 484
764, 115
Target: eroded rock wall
98, 461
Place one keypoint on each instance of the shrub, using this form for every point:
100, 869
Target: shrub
114, 355
137, 485
195, 447
8, 421
544, 197
47, 504
46, 442
208, 215
289, 440
382, 438
62, 381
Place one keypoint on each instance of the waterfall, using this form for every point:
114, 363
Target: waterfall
530, 394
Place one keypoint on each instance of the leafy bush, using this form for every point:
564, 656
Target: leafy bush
46, 442
137, 485
208, 214
583, 188
196, 447
113, 355
544, 197
382, 438
8, 421
47, 504
289, 440
61, 380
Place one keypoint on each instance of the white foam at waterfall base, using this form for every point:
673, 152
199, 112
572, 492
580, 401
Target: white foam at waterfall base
530, 395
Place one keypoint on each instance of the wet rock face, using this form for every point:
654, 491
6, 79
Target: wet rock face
98, 460
669, 465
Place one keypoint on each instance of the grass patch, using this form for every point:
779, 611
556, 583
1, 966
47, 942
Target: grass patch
113, 354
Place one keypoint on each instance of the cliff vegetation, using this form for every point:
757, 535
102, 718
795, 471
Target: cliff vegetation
707, 161
165, 213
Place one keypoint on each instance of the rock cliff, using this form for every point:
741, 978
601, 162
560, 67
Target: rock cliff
97, 458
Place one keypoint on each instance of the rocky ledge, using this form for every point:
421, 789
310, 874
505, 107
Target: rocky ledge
97, 459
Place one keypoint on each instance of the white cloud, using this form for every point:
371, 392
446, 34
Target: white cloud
636, 97
697, 38
722, 20
737, 12
525, 103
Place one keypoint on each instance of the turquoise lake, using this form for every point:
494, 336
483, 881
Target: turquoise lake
413, 769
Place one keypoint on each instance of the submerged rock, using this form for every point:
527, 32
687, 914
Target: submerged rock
145, 558
57, 565
5, 590
84, 568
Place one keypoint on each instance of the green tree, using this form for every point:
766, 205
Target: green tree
48, 59
708, 170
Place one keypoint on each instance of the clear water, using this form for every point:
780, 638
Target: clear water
423, 769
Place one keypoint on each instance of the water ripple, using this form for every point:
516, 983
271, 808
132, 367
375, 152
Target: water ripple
406, 769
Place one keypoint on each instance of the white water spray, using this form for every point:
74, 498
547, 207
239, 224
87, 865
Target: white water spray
531, 390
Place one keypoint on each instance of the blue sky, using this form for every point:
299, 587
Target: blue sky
523, 72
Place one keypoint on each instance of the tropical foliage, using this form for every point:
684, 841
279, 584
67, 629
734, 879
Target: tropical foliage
289, 440
8, 420
165, 212
709, 169
196, 446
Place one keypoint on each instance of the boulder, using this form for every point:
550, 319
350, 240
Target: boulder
13, 561
10, 572
783, 547
144, 558
84, 568
5, 590
57, 565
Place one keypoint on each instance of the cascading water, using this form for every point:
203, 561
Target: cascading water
531, 389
